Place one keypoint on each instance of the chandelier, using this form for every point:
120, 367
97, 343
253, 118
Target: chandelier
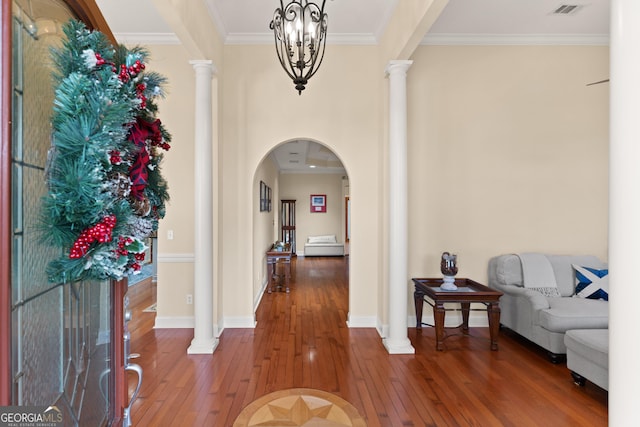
300, 30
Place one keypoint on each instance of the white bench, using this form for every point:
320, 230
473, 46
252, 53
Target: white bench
326, 245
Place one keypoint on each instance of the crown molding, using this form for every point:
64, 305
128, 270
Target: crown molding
352, 39
147, 38
370, 39
516, 39
248, 38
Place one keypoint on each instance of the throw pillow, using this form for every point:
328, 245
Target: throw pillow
322, 239
591, 282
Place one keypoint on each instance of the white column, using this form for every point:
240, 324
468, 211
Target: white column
398, 342
204, 340
624, 212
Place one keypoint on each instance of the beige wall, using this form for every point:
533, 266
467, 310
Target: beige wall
507, 152
340, 109
299, 187
264, 225
175, 268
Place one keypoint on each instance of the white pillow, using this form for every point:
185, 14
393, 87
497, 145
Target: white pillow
322, 239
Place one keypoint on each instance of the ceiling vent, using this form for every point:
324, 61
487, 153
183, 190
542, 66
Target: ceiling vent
567, 9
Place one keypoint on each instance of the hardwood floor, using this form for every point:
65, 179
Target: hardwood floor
301, 340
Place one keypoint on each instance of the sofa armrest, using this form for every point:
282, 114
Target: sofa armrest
537, 300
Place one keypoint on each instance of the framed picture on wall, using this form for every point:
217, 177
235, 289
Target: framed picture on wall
318, 203
263, 196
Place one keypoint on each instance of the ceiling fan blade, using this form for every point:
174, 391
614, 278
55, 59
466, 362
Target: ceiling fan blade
597, 83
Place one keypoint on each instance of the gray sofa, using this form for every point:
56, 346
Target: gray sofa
542, 319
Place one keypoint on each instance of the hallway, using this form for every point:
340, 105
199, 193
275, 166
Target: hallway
301, 340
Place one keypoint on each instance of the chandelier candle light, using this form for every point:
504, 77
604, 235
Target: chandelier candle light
300, 30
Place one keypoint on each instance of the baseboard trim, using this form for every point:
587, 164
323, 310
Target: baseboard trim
256, 301
237, 322
180, 322
174, 322
361, 321
176, 258
177, 322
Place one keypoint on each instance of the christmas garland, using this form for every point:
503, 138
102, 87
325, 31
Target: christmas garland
106, 191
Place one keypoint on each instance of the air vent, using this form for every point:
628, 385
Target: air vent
294, 161
567, 9
293, 154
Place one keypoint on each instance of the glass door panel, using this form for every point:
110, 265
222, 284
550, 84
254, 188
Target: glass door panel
61, 333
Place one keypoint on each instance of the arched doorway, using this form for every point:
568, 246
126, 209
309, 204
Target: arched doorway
299, 170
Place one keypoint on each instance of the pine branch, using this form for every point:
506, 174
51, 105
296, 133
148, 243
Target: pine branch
100, 93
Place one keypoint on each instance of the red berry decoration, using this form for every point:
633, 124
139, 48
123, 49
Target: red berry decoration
100, 60
115, 157
124, 73
101, 232
143, 101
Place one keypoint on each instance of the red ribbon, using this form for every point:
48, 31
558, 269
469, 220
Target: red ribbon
140, 132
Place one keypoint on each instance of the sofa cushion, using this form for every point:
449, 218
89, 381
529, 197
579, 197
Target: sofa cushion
565, 277
592, 283
324, 249
574, 313
591, 344
330, 238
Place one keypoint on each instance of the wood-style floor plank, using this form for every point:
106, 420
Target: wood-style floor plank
301, 340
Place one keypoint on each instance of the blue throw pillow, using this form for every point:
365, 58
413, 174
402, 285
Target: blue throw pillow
592, 283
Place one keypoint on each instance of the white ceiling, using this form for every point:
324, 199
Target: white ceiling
306, 156
523, 17
363, 22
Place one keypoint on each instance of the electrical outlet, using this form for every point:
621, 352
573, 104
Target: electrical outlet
169, 234
189, 299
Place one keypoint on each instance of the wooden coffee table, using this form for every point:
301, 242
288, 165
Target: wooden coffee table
468, 291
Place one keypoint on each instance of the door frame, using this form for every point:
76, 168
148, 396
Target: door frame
5, 205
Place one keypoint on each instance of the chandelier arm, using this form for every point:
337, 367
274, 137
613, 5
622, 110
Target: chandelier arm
280, 39
283, 58
314, 68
